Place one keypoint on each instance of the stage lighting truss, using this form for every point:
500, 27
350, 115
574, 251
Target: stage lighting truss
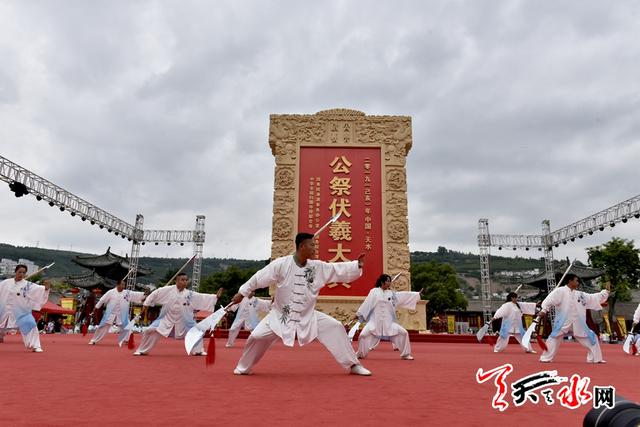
54, 195
599, 221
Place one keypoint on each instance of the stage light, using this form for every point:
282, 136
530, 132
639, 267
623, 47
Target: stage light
557, 244
526, 249
129, 238
181, 244
564, 242
142, 243
93, 222
51, 204
116, 233
18, 188
499, 248
573, 239
84, 218
580, 236
637, 215
540, 249
612, 224
168, 243
109, 230
73, 214
624, 219
61, 208
514, 249
590, 232
601, 228
101, 226
38, 198
156, 243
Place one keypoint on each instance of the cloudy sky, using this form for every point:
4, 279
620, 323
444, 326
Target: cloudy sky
522, 111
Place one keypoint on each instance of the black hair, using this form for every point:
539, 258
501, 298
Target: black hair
301, 237
181, 274
383, 278
21, 266
569, 277
511, 295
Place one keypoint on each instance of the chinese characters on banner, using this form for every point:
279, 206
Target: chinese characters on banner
345, 180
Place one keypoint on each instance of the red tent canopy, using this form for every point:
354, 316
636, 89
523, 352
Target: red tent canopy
52, 308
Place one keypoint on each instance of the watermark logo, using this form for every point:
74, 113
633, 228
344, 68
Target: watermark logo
572, 392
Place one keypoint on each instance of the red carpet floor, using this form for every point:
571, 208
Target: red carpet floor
72, 383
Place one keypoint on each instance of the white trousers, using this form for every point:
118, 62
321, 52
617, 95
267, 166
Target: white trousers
367, 341
594, 354
100, 333
150, 337
331, 334
233, 334
31, 340
502, 343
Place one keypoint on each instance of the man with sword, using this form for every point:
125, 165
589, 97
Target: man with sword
571, 307
379, 311
298, 279
117, 301
18, 297
178, 305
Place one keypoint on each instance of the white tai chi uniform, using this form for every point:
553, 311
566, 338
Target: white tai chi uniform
293, 310
17, 300
247, 316
571, 309
379, 310
511, 315
117, 311
176, 313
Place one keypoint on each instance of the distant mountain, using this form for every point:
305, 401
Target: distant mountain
161, 266
464, 263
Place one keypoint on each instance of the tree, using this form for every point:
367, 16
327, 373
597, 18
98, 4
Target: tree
230, 279
620, 260
441, 287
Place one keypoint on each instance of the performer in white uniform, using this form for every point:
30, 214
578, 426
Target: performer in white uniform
511, 314
571, 308
178, 307
18, 298
117, 301
379, 311
247, 315
298, 279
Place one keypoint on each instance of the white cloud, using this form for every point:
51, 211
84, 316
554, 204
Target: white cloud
521, 111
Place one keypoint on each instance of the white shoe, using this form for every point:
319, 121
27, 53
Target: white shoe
360, 370
531, 351
92, 342
228, 345
202, 353
237, 371
545, 361
407, 357
38, 350
137, 353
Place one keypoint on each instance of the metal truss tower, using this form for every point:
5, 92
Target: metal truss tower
45, 190
619, 213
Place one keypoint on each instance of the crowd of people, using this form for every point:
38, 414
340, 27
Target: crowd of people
291, 315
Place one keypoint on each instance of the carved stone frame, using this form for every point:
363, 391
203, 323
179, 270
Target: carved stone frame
346, 128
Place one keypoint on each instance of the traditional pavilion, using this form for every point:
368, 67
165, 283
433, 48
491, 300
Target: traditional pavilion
106, 270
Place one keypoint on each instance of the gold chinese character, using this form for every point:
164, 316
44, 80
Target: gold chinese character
333, 285
340, 165
340, 206
340, 186
339, 251
340, 230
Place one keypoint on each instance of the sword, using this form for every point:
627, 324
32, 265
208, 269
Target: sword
40, 271
331, 221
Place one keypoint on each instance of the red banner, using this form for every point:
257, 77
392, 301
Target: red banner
347, 180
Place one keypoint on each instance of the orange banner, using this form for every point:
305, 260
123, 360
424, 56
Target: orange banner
346, 180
